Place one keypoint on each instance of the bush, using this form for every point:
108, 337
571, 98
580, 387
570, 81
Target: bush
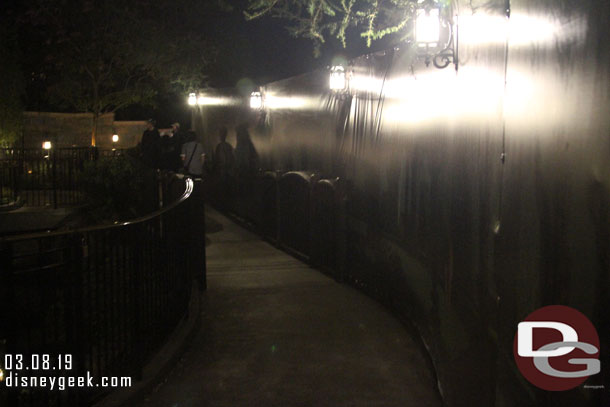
118, 188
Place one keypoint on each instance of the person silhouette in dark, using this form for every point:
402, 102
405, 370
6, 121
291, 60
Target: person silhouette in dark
193, 156
246, 157
150, 145
224, 165
223, 155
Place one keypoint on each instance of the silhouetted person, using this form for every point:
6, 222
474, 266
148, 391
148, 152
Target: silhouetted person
246, 157
192, 155
150, 145
224, 165
178, 135
166, 148
224, 160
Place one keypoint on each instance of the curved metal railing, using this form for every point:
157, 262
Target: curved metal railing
107, 295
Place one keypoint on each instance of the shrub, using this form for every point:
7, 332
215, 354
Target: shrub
118, 188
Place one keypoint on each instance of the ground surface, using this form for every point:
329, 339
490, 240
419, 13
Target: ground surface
276, 332
32, 219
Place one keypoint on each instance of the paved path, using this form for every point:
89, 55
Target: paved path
276, 332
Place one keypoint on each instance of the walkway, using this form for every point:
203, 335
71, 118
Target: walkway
276, 332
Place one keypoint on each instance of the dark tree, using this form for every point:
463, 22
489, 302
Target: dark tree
102, 56
318, 19
12, 87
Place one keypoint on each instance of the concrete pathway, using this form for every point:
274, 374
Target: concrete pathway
276, 332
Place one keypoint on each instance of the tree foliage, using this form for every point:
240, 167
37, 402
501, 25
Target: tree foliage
11, 89
100, 56
319, 19
118, 188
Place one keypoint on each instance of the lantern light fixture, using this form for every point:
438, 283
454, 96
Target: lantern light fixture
115, 138
434, 34
256, 100
47, 145
338, 81
192, 100
427, 27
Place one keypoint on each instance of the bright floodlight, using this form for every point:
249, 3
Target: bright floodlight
427, 26
46, 145
337, 78
256, 100
115, 138
192, 99
201, 99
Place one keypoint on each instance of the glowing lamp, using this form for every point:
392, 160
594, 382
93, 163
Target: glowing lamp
47, 145
115, 138
256, 100
192, 100
427, 27
201, 99
337, 78
434, 34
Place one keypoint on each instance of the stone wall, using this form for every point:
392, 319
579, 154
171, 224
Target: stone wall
74, 130
130, 133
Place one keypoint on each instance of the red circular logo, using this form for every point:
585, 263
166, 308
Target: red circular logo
556, 348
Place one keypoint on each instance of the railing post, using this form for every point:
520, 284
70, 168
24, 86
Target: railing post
313, 179
7, 314
73, 283
341, 199
278, 211
54, 176
196, 244
136, 295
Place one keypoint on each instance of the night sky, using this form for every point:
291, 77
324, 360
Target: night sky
261, 50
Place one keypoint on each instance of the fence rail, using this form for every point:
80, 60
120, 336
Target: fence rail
298, 211
108, 296
42, 177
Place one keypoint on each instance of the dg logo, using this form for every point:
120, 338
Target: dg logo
556, 348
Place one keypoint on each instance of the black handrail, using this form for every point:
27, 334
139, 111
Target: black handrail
187, 193
40, 177
108, 295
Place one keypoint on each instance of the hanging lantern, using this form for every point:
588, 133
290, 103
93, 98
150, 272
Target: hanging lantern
192, 100
256, 100
427, 27
337, 78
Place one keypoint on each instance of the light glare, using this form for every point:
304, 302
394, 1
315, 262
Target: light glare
115, 138
337, 78
427, 26
47, 145
256, 100
192, 99
286, 102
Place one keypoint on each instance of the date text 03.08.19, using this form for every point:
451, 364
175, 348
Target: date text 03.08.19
37, 362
